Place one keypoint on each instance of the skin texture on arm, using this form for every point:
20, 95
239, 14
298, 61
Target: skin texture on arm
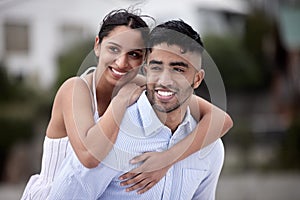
213, 124
73, 108
139, 80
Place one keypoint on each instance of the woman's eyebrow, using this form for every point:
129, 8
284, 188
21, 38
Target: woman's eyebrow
116, 44
140, 50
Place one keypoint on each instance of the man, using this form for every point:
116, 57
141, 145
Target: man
158, 120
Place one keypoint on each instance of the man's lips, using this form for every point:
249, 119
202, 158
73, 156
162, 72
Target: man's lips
164, 95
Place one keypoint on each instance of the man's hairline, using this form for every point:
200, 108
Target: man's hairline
150, 49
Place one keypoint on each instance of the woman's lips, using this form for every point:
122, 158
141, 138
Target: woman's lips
117, 74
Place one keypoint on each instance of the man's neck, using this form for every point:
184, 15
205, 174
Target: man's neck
172, 119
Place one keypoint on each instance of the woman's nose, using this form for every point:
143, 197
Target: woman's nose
122, 61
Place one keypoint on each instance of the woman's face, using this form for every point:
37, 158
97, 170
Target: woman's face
120, 55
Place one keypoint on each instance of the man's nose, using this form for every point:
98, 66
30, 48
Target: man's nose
122, 61
165, 78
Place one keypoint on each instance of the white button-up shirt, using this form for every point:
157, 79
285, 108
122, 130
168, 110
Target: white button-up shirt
195, 177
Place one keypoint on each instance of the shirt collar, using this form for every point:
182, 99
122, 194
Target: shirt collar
149, 119
151, 122
187, 125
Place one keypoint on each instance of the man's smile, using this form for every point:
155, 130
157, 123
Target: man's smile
164, 95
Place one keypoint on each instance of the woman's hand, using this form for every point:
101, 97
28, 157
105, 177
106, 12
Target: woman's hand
155, 166
130, 93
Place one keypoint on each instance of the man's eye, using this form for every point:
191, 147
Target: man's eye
177, 69
155, 68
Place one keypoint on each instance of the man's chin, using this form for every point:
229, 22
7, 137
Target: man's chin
165, 109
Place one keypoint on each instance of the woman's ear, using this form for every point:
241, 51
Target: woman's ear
97, 47
198, 78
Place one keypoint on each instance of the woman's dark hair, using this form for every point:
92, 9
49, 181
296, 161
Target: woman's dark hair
123, 17
176, 32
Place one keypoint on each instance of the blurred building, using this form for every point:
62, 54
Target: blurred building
289, 43
285, 54
33, 33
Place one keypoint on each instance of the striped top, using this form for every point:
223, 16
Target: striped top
195, 177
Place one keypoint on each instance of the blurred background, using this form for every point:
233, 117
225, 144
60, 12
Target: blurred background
254, 43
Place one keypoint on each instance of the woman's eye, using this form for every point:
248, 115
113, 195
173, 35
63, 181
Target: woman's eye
113, 49
135, 55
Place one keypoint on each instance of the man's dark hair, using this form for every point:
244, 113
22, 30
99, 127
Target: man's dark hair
176, 32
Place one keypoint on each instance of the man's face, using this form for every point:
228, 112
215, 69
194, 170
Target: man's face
171, 76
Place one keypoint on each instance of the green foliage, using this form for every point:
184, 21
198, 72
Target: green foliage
16, 110
258, 27
238, 69
21, 109
14, 130
289, 151
13, 89
4, 85
70, 61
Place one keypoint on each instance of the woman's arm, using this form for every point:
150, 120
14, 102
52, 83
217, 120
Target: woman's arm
213, 124
92, 141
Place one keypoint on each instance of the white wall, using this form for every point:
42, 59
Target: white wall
45, 18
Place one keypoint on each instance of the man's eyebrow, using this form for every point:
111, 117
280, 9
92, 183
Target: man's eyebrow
153, 62
183, 64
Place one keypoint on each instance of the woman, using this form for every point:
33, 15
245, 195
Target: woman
106, 92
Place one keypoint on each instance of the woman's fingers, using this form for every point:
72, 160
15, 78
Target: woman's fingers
139, 158
127, 175
140, 182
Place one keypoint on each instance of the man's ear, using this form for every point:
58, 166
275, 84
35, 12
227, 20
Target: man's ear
144, 68
198, 78
97, 47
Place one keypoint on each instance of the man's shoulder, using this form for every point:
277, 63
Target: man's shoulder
131, 122
140, 119
138, 105
216, 148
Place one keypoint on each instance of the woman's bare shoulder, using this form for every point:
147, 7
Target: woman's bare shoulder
71, 88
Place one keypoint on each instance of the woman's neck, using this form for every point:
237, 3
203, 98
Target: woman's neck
104, 94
